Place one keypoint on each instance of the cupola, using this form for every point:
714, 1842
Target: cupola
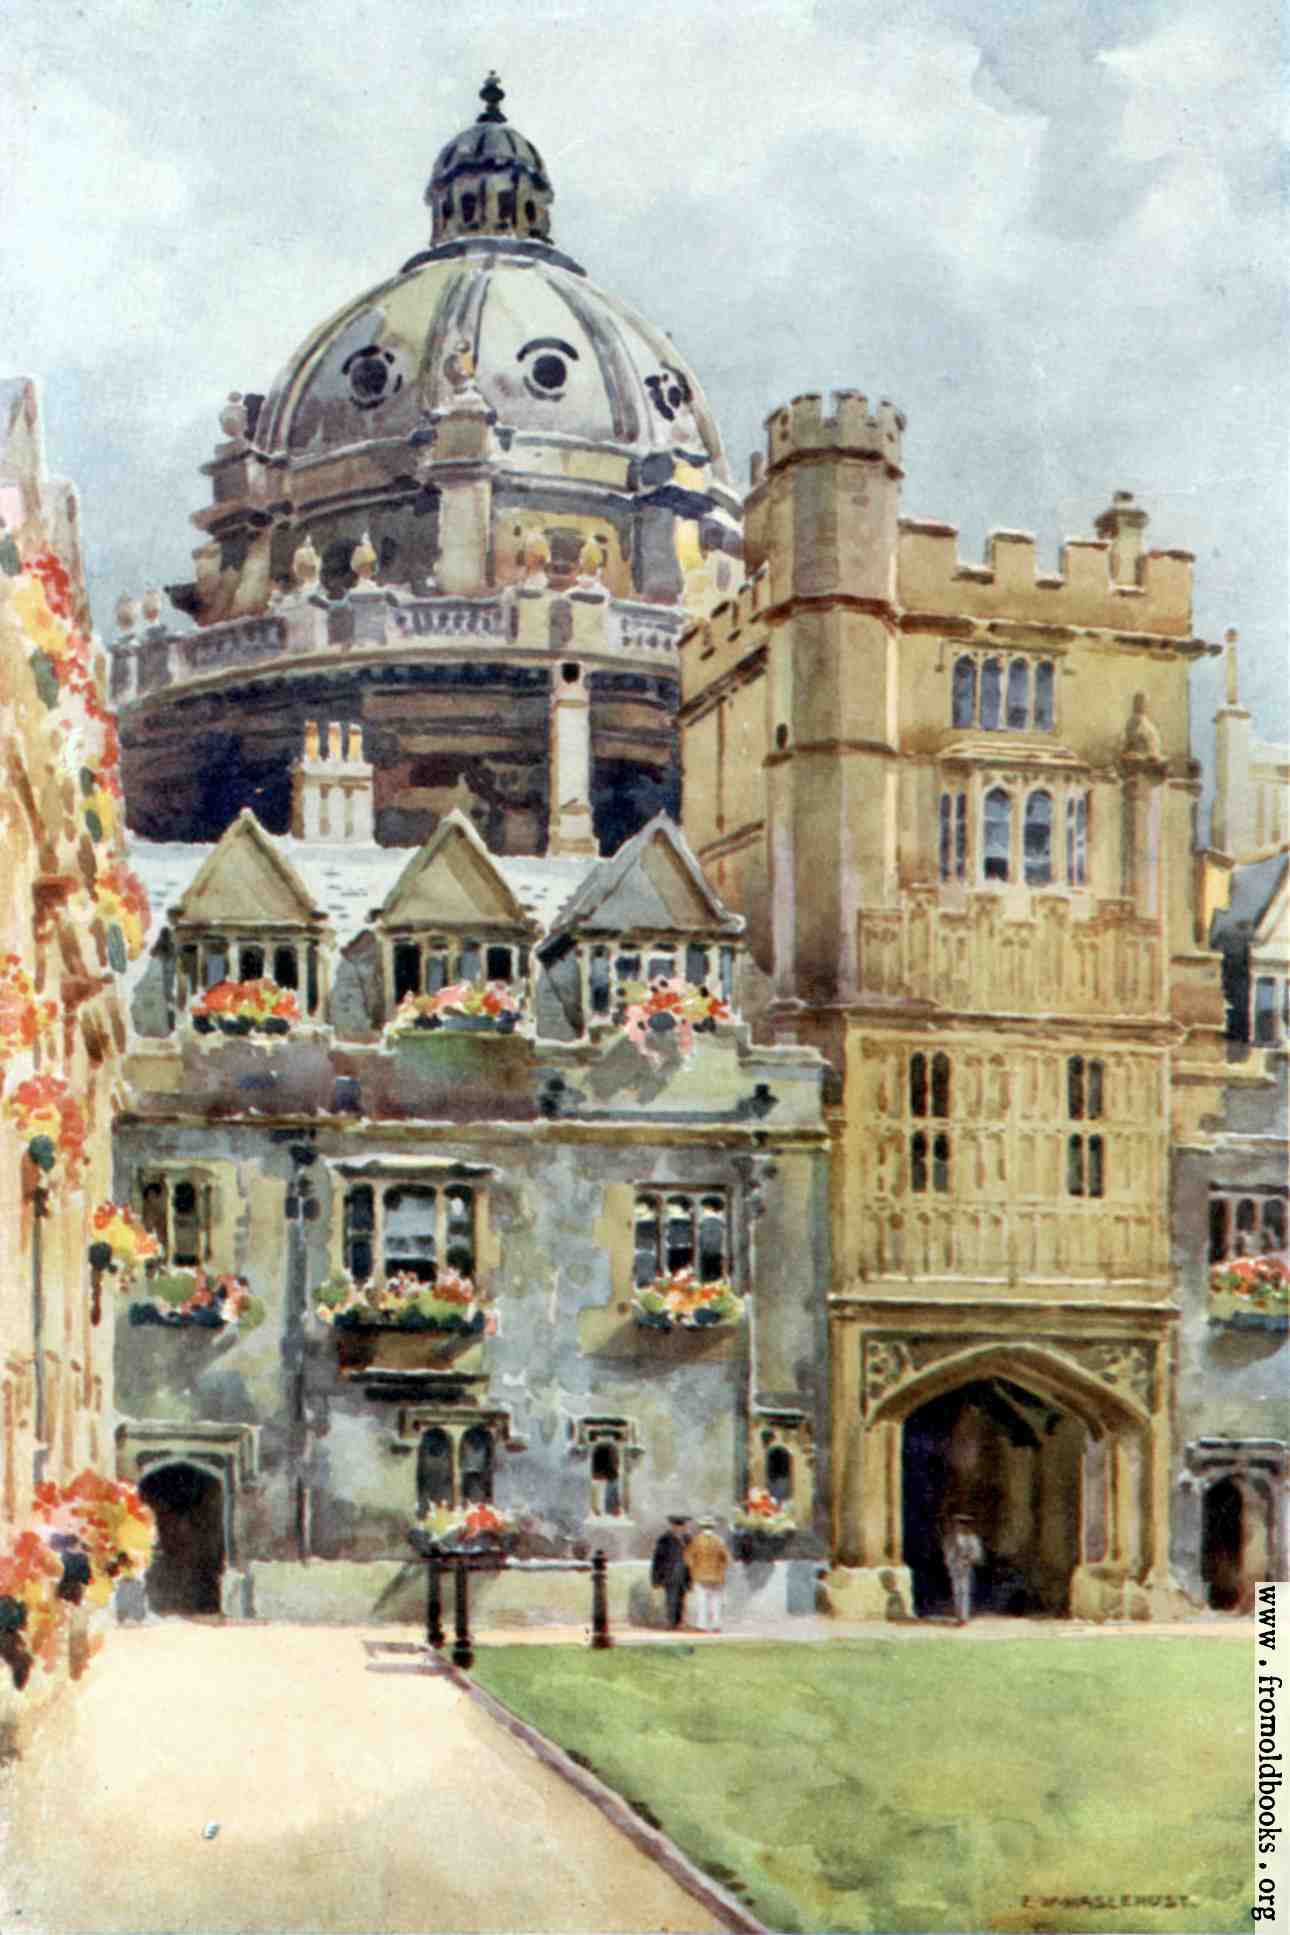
489, 180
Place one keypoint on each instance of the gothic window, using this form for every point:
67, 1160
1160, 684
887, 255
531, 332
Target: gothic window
681, 1230
434, 1469
598, 981
179, 1211
455, 1467
964, 699
475, 1464
1266, 1018
1018, 695
609, 1442
416, 1229
407, 969
953, 836
779, 1474
1038, 839
436, 961
606, 1481
918, 1085
941, 1164
1085, 1166
940, 1084
997, 834
222, 957
1085, 1082
1242, 1224
992, 695
1077, 839
918, 1162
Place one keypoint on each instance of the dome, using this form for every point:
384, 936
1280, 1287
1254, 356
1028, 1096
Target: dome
554, 357
489, 364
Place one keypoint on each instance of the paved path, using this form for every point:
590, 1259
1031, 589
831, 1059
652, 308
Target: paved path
353, 1791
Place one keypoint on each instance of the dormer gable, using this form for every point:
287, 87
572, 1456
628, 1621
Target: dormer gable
453, 882
246, 882
653, 885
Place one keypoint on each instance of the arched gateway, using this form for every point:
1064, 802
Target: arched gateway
1061, 1462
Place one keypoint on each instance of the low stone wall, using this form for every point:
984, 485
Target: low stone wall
342, 1592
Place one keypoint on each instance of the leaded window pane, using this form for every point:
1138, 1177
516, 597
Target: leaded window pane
1039, 839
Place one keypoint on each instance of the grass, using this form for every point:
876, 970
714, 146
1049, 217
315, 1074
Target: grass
924, 1786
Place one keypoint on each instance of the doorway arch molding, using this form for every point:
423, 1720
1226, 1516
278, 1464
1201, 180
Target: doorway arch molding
228, 1452
1108, 1386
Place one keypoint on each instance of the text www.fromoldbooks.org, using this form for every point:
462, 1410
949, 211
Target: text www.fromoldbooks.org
1271, 1857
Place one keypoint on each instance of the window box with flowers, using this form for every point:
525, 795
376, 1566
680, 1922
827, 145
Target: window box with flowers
197, 1299
762, 1527
465, 1007
1251, 1293
403, 1321
118, 1245
245, 1008
468, 1529
661, 1018
680, 1301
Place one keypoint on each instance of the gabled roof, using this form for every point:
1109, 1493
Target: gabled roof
246, 878
652, 885
1258, 889
453, 881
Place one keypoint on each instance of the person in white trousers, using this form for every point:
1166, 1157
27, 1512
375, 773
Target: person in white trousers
707, 1560
963, 1552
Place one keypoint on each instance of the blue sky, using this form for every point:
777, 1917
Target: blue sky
1051, 233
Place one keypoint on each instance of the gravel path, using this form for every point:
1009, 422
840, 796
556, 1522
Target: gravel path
351, 1789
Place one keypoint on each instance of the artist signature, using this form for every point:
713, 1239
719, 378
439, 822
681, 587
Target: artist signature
1110, 1901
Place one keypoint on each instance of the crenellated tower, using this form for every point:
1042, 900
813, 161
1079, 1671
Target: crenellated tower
956, 802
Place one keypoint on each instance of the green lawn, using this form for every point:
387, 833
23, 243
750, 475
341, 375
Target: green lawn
928, 1784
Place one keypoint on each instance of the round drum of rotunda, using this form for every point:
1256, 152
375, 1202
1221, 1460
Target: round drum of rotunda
481, 496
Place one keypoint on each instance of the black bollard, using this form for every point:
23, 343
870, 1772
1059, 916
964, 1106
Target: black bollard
434, 1603
463, 1653
600, 1639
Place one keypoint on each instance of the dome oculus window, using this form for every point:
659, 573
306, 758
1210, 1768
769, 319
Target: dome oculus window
372, 376
545, 361
669, 392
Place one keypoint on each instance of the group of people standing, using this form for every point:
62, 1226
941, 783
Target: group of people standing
685, 1559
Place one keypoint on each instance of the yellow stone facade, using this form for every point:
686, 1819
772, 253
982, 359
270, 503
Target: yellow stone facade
955, 803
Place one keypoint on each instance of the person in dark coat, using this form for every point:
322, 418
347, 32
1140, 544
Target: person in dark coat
670, 1571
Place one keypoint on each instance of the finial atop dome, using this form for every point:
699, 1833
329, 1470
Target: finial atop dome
492, 94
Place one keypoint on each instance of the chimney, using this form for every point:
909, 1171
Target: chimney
569, 827
1123, 526
331, 793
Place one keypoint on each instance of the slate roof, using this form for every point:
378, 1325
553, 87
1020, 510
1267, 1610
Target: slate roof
349, 881
1254, 887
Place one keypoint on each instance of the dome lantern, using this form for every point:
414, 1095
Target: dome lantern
489, 180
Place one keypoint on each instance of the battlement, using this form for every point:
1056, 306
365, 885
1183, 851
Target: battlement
1084, 591
714, 645
852, 430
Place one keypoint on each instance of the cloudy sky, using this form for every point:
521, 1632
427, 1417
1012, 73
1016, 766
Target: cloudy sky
1048, 231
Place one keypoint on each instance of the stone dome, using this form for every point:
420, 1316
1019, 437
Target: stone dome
554, 357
